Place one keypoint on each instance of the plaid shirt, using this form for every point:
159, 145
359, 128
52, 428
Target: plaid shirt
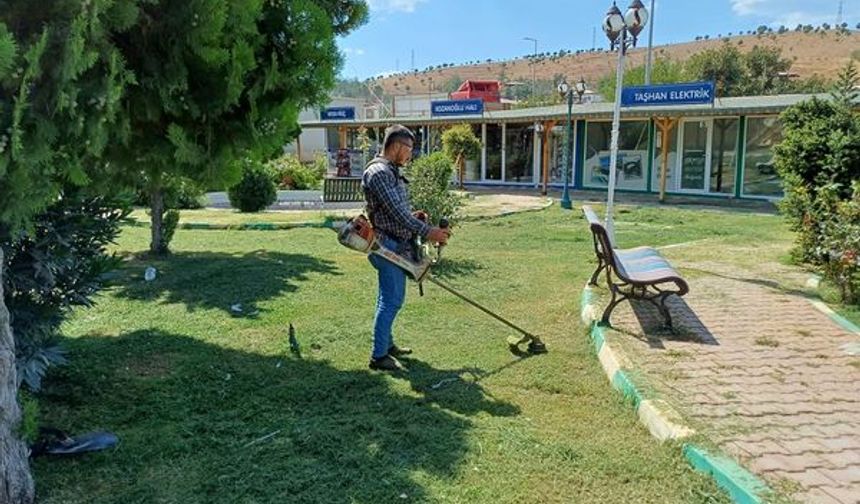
388, 202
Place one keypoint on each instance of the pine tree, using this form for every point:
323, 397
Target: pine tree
231, 86
845, 89
105, 91
59, 107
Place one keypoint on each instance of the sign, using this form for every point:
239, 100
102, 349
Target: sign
456, 107
694, 93
334, 113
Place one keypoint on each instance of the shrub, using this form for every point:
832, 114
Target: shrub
819, 162
840, 242
459, 144
255, 191
59, 264
171, 221
429, 180
290, 173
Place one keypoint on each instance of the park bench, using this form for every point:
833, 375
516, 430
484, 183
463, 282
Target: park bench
637, 273
342, 189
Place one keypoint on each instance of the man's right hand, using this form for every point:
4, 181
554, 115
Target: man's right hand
438, 235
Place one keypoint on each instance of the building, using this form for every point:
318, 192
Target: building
724, 149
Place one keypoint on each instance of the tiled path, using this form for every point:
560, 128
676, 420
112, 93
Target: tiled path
760, 371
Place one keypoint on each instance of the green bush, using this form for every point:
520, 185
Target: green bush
60, 264
839, 248
819, 162
255, 191
290, 173
171, 221
460, 143
430, 179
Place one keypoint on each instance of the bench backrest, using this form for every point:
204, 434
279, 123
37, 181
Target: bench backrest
342, 190
602, 243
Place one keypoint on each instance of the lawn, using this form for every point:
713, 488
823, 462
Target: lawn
211, 406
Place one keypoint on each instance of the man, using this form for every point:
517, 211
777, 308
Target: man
393, 221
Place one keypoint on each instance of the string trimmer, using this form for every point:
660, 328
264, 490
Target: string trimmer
357, 234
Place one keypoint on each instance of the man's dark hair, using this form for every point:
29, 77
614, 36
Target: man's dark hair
397, 132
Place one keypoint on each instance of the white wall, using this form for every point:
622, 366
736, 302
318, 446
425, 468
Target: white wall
313, 140
416, 105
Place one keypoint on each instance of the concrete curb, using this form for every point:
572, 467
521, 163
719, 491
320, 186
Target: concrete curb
835, 317
327, 224
662, 421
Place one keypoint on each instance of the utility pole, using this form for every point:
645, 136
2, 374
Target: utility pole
839, 13
650, 45
534, 66
413, 57
593, 38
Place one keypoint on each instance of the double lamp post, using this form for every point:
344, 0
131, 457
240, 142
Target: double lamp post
617, 28
566, 91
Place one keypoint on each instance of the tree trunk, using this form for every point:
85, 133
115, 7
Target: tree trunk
156, 209
461, 168
16, 484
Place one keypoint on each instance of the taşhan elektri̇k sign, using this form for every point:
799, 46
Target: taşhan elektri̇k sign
693, 93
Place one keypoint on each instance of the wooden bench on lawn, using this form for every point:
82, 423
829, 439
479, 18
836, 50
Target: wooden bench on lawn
637, 273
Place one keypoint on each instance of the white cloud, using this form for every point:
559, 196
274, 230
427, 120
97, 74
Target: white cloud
353, 51
746, 7
792, 12
394, 5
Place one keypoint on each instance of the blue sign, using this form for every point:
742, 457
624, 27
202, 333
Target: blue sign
333, 113
456, 107
694, 93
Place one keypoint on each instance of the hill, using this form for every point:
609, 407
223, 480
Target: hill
822, 54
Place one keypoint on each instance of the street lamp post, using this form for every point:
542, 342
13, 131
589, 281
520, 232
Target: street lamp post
617, 27
565, 91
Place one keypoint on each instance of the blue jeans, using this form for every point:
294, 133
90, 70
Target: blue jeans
392, 292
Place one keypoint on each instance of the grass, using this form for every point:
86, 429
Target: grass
211, 407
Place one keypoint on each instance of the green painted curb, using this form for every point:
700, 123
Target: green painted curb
625, 385
742, 485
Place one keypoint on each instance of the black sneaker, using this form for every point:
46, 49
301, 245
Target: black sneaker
396, 351
387, 363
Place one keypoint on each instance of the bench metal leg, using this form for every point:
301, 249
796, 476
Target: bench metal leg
600, 266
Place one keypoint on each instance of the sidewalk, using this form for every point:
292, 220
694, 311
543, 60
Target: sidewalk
759, 371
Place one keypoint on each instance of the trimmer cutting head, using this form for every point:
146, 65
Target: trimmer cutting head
535, 345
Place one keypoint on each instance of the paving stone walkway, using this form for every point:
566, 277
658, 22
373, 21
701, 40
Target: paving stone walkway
759, 370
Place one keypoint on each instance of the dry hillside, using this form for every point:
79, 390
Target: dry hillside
813, 53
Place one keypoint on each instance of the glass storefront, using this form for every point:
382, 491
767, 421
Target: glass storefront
556, 155
494, 152
632, 164
519, 152
760, 178
724, 155
658, 159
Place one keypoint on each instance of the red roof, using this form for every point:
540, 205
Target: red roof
487, 90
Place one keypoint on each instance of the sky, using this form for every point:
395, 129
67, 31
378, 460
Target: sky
456, 31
